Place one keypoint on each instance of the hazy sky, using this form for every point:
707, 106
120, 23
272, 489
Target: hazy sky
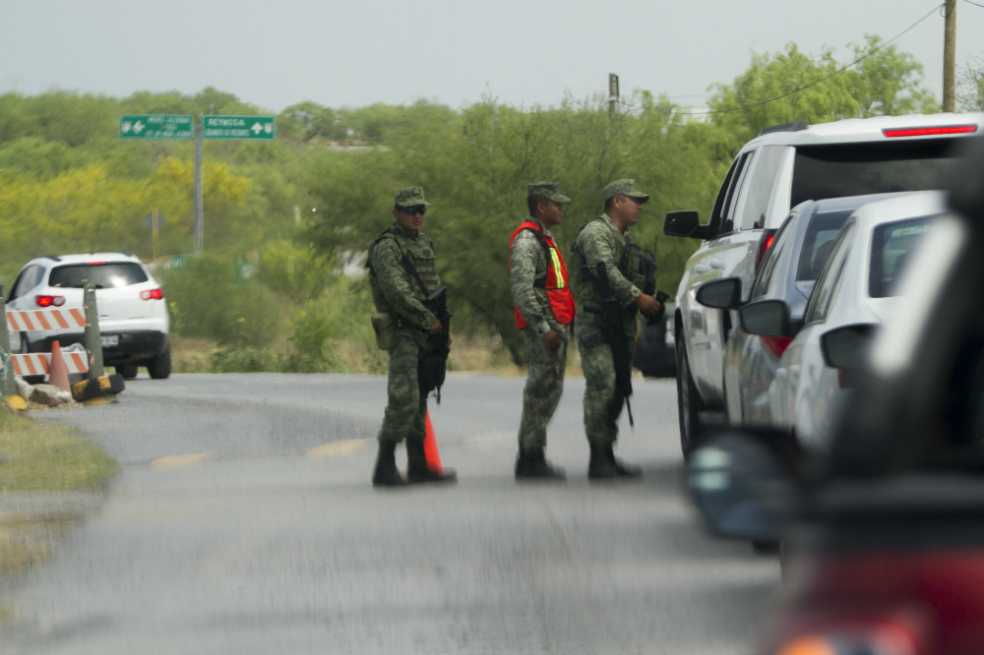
340, 53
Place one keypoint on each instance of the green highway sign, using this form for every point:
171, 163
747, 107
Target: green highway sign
239, 127
155, 126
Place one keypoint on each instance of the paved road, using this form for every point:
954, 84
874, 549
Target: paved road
243, 522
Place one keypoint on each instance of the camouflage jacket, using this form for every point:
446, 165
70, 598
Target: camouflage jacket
529, 266
601, 241
394, 290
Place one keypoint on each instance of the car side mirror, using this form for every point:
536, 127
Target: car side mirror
744, 484
766, 318
684, 224
847, 347
721, 294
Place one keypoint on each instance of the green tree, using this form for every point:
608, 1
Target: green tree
475, 167
792, 86
971, 86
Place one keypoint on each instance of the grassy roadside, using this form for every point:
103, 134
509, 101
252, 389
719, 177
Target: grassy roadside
468, 354
41, 458
35, 457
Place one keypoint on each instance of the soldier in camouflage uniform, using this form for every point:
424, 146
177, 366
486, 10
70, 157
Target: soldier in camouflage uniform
544, 313
603, 239
396, 292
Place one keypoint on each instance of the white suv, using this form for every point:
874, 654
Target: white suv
133, 321
774, 172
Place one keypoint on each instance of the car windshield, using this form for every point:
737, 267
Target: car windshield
104, 276
858, 169
890, 250
819, 239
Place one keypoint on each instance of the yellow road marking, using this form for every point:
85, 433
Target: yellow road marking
179, 460
338, 448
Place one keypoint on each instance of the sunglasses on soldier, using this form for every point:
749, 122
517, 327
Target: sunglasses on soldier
413, 211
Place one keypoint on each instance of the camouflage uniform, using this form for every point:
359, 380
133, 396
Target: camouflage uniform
601, 241
545, 367
396, 292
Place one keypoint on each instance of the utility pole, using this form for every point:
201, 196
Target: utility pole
199, 231
950, 56
613, 94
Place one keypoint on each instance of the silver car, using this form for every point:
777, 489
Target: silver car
788, 273
854, 294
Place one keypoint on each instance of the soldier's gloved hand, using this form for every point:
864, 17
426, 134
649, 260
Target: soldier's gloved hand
552, 339
435, 328
647, 304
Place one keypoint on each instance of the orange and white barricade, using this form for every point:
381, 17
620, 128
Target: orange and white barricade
44, 320
40, 363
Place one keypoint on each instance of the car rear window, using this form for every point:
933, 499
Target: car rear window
858, 169
890, 250
817, 242
104, 276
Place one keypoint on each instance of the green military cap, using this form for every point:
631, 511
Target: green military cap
624, 188
411, 196
549, 190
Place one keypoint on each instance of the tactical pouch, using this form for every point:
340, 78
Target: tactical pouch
385, 329
592, 339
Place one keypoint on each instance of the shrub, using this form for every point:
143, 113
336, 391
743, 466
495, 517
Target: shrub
209, 299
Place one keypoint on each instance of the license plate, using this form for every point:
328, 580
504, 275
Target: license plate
110, 341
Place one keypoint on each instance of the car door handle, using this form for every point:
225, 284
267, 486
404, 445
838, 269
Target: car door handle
716, 264
701, 268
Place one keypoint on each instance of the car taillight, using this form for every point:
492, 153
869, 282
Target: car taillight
930, 131
776, 345
152, 294
767, 238
49, 301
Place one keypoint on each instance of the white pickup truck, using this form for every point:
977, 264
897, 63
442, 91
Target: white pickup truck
780, 168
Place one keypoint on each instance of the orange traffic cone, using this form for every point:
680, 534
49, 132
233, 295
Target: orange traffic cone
58, 371
430, 447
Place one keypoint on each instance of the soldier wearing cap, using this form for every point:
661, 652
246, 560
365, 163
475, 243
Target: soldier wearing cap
544, 313
392, 260
604, 239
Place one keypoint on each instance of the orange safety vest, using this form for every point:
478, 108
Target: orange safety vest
556, 284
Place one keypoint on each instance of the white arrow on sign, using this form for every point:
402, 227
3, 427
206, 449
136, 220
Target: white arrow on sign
126, 126
257, 128
138, 127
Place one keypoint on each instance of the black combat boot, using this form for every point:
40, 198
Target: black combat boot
600, 466
624, 470
417, 469
386, 473
533, 465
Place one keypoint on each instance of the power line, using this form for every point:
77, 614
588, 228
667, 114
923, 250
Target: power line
812, 84
974, 3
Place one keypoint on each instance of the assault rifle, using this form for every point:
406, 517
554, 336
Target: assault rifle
612, 330
433, 358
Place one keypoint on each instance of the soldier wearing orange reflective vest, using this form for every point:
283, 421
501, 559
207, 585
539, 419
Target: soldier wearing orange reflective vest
544, 313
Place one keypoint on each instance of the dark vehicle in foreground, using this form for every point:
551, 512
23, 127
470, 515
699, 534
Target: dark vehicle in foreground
883, 535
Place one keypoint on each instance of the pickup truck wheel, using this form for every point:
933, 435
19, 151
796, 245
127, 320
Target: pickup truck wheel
688, 400
160, 366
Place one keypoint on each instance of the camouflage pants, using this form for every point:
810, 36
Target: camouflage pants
406, 410
544, 386
602, 402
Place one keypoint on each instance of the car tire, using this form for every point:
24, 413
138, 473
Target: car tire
160, 366
128, 371
689, 402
